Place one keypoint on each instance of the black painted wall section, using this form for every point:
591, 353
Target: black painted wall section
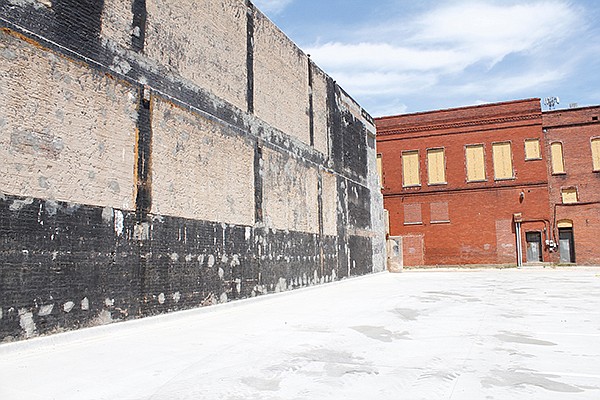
70, 266
52, 254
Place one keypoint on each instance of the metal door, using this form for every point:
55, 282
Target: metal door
534, 246
566, 245
394, 254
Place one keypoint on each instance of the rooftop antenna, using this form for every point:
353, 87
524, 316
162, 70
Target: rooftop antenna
551, 102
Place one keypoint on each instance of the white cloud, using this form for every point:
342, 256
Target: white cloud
272, 6
461, 48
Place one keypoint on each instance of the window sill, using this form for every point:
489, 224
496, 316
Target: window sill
533, 159
412, 223
477, 181
439, 222
505, 179
559, 173
411, 186
438, 184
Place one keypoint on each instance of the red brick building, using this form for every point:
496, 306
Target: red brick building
471, 185
573, 141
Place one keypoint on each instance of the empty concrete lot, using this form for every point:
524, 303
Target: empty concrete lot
462, 334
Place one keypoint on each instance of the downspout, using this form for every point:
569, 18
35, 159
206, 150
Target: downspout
519, 245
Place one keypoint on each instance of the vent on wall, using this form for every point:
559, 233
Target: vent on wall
595, 118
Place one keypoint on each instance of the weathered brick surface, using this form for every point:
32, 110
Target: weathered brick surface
204, 41
186, 163
60, 137
117, 23
480, 228
575, 128
200, 169
330, 204
320, 110
290, 193
281, 81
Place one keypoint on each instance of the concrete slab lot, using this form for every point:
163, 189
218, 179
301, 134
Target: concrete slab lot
487, 334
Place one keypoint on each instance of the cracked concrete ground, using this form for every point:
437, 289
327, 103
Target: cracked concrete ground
443, 334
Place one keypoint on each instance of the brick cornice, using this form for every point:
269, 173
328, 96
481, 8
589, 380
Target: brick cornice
457, 124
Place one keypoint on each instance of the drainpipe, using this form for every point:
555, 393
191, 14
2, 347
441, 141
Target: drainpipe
519, 248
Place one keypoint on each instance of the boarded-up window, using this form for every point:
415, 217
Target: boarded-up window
410, 168
475, 163
532, 149
439, 212
558, 164
502, 157
569, 195
412, 214
596, 153
436, 172
564, 223
380, 169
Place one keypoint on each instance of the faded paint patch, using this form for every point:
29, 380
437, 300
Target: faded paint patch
19, 204
161, 298
45, 310
223, 298
176, 297
68, 306
35, 3
103, 318
108, 302
107, 214
118, 215
85, 304
26, 322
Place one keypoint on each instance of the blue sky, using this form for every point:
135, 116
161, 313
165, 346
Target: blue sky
400, 56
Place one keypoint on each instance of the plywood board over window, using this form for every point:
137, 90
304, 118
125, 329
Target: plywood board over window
436, 166
502, 157
410, 168
532, 149
596, 154
558, 163
475, 163
380, 169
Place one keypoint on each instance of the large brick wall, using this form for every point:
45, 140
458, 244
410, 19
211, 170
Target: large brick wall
161, 155
463, 222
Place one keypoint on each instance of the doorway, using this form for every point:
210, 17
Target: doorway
534, 246
566, 245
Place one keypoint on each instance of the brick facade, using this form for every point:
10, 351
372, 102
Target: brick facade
480, 226
575, 129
